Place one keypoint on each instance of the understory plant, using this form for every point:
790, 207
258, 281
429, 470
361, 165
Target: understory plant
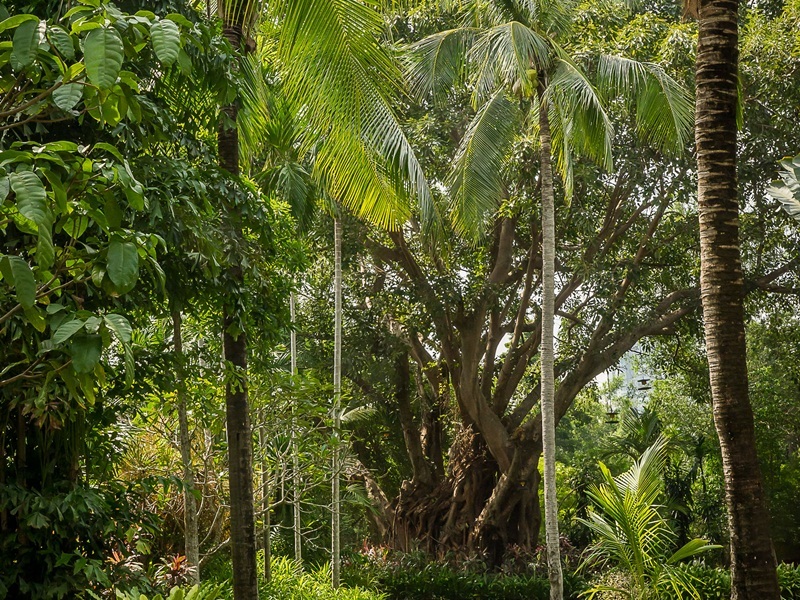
634, 536
289, 581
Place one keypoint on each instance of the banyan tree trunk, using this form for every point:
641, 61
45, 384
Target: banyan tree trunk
468, 511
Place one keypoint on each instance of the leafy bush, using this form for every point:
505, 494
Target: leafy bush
290, 582
204, 591
789, 578
715, 584
414, 577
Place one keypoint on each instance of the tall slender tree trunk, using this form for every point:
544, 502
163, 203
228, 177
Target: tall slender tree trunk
192, 538
337, 402
297, 523
265, 501
547, 360
237, 409
753, 569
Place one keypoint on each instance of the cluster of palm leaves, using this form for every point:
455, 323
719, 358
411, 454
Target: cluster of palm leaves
633, 534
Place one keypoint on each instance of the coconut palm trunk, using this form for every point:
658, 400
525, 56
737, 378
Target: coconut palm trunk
234, 342
753, 569
337, 401
192, 539
547, 360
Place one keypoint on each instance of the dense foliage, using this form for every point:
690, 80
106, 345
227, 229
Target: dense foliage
129, 258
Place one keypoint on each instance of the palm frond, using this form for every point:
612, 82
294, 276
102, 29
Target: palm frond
476, 183
583, 102
336, 70
552, 16
511, 52
631, 531
664, 110
241, 14
437, 63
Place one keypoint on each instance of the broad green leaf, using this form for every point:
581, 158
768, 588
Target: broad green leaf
26, 42
180, 20
61, 41
36, 318
85, 351
61, 146
16, 21
5, 187
66, 331
19, 273
31, 197
103, 51
110, 149
120, 326
45, 254
166, 39
122, 264
76, 225
67, 96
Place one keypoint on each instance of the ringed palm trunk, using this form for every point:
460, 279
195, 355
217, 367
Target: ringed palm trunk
237, 409
192, 539
753, 569
547, 358
337, 400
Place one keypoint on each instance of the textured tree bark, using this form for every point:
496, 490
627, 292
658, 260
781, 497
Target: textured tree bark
237, 408
192, 539
753, 569
547, 360
337, 400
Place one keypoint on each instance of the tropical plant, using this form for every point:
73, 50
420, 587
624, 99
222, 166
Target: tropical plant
196, 592
786, 190
634, 536
510, 49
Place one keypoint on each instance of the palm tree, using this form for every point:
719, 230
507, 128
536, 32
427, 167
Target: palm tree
337, 77
753, 568
513, 47
633, 533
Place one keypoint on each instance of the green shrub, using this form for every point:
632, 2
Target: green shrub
715, 584
290, 582
435, 581
204, 591
789, 578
